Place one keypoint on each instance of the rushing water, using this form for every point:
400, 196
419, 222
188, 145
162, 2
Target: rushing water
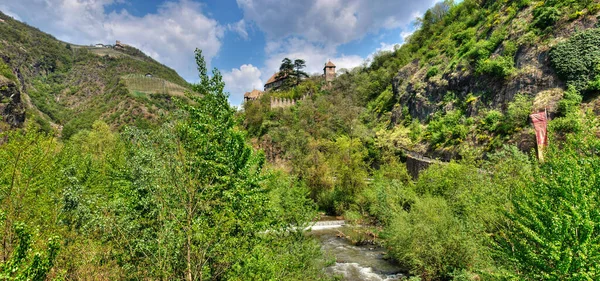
355, 262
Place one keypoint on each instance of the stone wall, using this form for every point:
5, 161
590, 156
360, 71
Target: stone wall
285, 102
416, 163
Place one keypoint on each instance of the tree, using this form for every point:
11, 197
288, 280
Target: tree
292, 70
286, 68
298, 74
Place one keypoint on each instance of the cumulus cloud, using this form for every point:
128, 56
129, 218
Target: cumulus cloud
241, 80
315, 55
330, 21
313, 29
170, 35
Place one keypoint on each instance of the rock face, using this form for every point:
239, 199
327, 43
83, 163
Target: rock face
423, 96
12, 109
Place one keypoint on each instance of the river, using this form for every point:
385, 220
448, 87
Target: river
355, 262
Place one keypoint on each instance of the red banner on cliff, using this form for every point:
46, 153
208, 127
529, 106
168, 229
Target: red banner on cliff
540, 123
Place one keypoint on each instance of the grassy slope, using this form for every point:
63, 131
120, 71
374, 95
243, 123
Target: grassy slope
471, 76
462, 85
74, 85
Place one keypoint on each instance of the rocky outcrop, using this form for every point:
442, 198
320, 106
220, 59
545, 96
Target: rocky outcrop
12, 109
423, 96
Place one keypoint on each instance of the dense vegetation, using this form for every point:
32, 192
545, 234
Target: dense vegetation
187, 197
189, 200
460, 89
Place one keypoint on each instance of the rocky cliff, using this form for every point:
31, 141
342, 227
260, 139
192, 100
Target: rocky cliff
12, 109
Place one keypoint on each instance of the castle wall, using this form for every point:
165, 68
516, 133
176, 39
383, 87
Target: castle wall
285, 102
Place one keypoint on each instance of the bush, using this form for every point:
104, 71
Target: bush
448, 129
518, 111
492, 120
544, 17
433, 71
576, 60
7, 72
501, 67
570, 101
430, 240
553, 230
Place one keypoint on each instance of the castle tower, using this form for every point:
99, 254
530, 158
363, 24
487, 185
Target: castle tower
329, 71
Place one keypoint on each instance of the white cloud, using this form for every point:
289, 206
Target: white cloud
330, 21
385, 47
313, 29
239, 28
241, 80
406, 34
315, 55
170, 35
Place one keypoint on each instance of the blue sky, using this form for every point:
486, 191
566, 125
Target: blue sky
245, 39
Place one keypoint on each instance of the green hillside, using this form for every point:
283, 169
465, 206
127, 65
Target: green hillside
70, 86
460, 90
463, 84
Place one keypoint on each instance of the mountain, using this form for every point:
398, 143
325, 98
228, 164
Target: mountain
68, 87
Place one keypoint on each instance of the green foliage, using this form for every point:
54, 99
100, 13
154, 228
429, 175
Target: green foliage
433, 71
518, 112
21, 265
552, 230
430, 240
492, 121
442, 227
544, 17
350, 172
7, 72
448, 129
576, 60
502, 66
383, 103
570, 101
292, 70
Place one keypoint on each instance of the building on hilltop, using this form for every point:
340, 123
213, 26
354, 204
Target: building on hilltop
118, 44
254, 95
275, 81
329, 72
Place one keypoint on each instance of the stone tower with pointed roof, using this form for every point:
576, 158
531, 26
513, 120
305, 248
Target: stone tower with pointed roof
329, 72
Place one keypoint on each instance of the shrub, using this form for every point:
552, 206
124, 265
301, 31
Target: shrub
544, 17
492, 120
553, 230
501, 67
448, 129
21, 266
518, 111
433, 71
7, 72
570, 101
576, 60
430, 240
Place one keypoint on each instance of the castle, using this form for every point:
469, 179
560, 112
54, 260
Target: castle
329, 72
277, 80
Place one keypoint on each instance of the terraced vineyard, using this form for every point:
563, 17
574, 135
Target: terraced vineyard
152, 85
